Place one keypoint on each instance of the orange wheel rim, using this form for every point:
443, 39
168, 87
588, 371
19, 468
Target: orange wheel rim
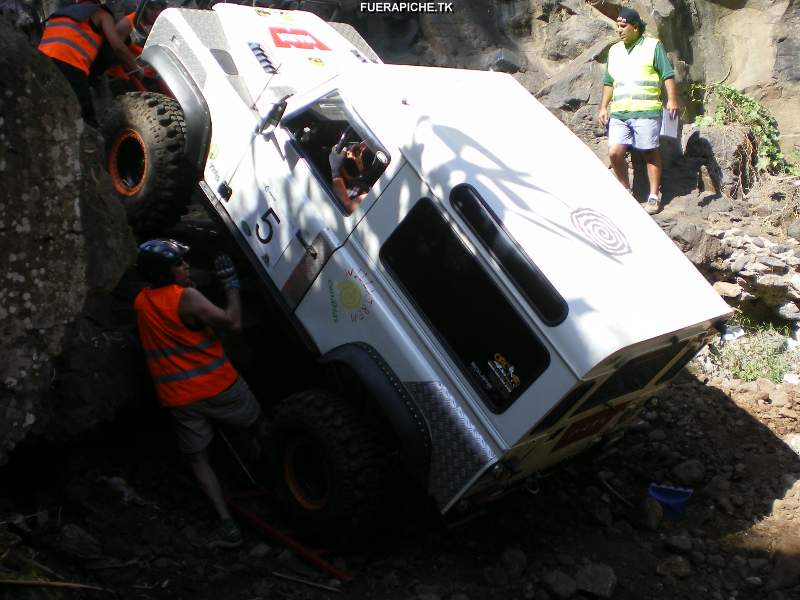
127, 163
306, 474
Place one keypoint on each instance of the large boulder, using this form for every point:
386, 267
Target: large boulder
729, 154
64, 245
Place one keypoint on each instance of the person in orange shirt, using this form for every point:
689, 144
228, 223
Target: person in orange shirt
134, 40
193, 377
72, 38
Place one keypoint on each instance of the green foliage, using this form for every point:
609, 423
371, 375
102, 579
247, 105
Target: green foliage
760, 353
734, 107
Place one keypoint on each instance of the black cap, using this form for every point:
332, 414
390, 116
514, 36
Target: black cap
630, 16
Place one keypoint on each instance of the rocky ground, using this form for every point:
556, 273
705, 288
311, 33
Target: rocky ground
121, 513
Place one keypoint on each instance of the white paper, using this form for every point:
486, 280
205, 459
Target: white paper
669, 126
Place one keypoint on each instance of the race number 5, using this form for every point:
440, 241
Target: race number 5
265, 219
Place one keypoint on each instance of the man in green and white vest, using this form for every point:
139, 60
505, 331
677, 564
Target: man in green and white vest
631, 106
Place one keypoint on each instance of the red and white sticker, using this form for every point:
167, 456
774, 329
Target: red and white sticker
285, 37
588, 426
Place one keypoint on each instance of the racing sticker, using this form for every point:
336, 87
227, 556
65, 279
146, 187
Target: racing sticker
503, 372
284, 37
588, 426
351, 297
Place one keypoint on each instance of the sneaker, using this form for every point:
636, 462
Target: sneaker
226, 535
653, 204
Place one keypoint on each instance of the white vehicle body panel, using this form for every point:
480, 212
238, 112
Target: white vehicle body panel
629, 291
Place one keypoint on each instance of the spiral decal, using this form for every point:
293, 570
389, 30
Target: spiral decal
600, 231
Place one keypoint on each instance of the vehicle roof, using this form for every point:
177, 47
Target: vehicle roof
305, 49
624, 280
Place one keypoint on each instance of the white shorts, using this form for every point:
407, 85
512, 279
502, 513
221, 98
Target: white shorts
642, 134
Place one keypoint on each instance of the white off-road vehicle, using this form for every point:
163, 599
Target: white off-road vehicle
497, 301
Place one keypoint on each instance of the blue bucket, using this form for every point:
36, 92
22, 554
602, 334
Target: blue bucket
672, 499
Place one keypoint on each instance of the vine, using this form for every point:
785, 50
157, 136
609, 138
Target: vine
734, 107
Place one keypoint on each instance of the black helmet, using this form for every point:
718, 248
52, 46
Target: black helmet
156, 259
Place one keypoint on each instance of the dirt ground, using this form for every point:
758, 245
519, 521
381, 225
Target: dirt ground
120, 513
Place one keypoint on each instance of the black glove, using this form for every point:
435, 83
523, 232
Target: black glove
335, 160
226, 272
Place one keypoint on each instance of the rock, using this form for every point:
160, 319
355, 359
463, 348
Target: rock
786, 571
789, 311
674, 566
76, 541
773, 263
651, 513
771, 280
686, 235
569, 38
778, 397
765, 385
724, 151
791, 378
681, 543
758, 565
515, 561
597, 579
740, 263
716, 560
728, 290
495, 576
260, 550
504, 60
64, 243
707, 182
689, 472
753, 582
575, 88
559, 584
793, 441
793, 230
707, 251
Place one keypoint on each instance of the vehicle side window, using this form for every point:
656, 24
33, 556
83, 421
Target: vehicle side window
542, 295
488, 339
339, 148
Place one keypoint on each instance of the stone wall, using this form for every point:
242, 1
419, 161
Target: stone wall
64, 243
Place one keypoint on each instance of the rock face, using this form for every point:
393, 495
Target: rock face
63, 243
751, 46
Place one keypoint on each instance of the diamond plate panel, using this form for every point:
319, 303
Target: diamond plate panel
460, 452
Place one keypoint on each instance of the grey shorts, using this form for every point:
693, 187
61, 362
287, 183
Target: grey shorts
642, 134
235, 406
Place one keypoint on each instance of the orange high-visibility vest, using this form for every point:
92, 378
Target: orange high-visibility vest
69, 37
185, 365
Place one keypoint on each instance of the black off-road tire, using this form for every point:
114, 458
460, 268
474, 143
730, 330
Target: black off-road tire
145, 141
329, 469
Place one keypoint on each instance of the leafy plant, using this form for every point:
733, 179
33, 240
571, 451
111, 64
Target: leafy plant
732, 106
760, 353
